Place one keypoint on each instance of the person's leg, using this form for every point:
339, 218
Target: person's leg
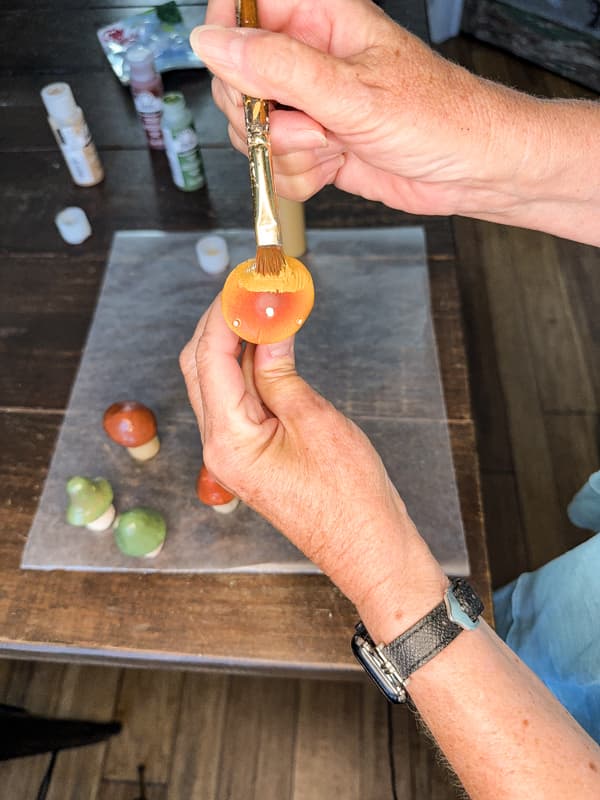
551, 619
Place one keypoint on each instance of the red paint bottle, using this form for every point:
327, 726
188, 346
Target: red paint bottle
147, 90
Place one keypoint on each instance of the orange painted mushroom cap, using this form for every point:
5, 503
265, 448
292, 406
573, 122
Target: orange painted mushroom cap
129, 423
209, 491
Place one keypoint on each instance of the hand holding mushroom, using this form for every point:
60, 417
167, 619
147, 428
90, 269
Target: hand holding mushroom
211, 493
290, 455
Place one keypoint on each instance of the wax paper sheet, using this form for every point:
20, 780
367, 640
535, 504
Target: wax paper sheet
368, 347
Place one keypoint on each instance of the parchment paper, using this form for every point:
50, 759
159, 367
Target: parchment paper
368, 347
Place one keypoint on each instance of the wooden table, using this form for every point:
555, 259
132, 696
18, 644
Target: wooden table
269, 624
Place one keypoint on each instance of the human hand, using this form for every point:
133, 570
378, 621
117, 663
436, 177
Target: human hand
381, 114
288, 453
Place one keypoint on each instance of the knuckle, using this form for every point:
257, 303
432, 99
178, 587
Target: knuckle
186, 359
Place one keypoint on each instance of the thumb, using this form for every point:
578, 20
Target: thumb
280, 387
275, 66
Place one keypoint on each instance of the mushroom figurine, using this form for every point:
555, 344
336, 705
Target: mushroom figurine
140, 532
90, 503
132, 425
211, 493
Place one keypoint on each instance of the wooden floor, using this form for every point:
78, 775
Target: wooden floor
532, 313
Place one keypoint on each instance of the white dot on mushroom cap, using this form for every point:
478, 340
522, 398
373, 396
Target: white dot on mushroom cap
269, 311
298, 322
236, 323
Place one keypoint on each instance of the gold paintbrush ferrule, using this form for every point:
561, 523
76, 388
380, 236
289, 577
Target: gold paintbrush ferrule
264, 199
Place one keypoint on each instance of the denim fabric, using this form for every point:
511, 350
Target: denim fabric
551, 619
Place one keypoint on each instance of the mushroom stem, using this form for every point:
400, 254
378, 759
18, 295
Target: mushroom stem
155, 552
227, 508
104, 521
145, 452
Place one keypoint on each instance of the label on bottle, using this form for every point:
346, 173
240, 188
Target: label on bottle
79, 152
183, 152
149, 109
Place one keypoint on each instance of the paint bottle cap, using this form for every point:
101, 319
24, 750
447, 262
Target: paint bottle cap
173, 107
213, 254
141, 63
73, 225
59, 101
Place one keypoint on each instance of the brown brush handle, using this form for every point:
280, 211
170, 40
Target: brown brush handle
247, 14
256, 112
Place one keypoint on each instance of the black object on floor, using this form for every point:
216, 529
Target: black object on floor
25, 734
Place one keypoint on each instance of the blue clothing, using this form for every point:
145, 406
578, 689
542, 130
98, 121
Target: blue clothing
551, 619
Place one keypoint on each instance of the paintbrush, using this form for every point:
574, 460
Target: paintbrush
270, 259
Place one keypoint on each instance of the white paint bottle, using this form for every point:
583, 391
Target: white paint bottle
72, 134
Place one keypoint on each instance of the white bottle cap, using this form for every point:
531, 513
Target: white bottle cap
73, 225
59, 101
141, 62
213, 254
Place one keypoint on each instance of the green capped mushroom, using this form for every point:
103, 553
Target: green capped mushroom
141, 532
90, 503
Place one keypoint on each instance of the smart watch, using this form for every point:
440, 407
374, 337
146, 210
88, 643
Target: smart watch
390, 665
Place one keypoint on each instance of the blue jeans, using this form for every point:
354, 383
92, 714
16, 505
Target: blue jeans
551, 619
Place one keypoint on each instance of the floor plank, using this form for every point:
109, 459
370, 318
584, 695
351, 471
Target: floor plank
86, 693
507, 544
59, 690
328, 754
561, 373
531, 453
195, 766
575, 444
148, 706
376, 772
258, 739
493, 443
129, 790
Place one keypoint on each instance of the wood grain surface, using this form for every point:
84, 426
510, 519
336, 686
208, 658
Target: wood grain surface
48, 292
44, 285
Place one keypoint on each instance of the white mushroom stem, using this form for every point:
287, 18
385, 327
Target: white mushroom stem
145, 451
227, 508
155, 552
104, 521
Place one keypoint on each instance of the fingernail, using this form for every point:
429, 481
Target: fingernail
220, 46
281, 349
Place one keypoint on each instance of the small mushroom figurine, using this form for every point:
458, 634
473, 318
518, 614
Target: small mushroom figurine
211, 493
132, 425
90, 503
140, 532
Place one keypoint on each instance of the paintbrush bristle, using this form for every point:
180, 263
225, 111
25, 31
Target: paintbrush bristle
270, 259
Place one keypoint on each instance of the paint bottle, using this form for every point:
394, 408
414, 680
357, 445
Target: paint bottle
293, 227
147, 90
72, 134
181, 143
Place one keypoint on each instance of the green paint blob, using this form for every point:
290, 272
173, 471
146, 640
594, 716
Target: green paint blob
140, 531
89, 498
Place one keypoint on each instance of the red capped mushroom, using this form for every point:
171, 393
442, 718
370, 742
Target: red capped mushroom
211, 493
133, 426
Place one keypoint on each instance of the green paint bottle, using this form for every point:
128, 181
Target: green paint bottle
181, 143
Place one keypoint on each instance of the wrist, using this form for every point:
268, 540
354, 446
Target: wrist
538, 169
400, 586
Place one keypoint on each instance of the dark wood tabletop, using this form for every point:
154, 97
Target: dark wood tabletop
289, 624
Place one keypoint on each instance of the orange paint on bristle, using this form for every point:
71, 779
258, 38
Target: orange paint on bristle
270, 259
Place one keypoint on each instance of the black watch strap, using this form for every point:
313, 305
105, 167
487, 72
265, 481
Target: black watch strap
390, 665
422, 642
430, 635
